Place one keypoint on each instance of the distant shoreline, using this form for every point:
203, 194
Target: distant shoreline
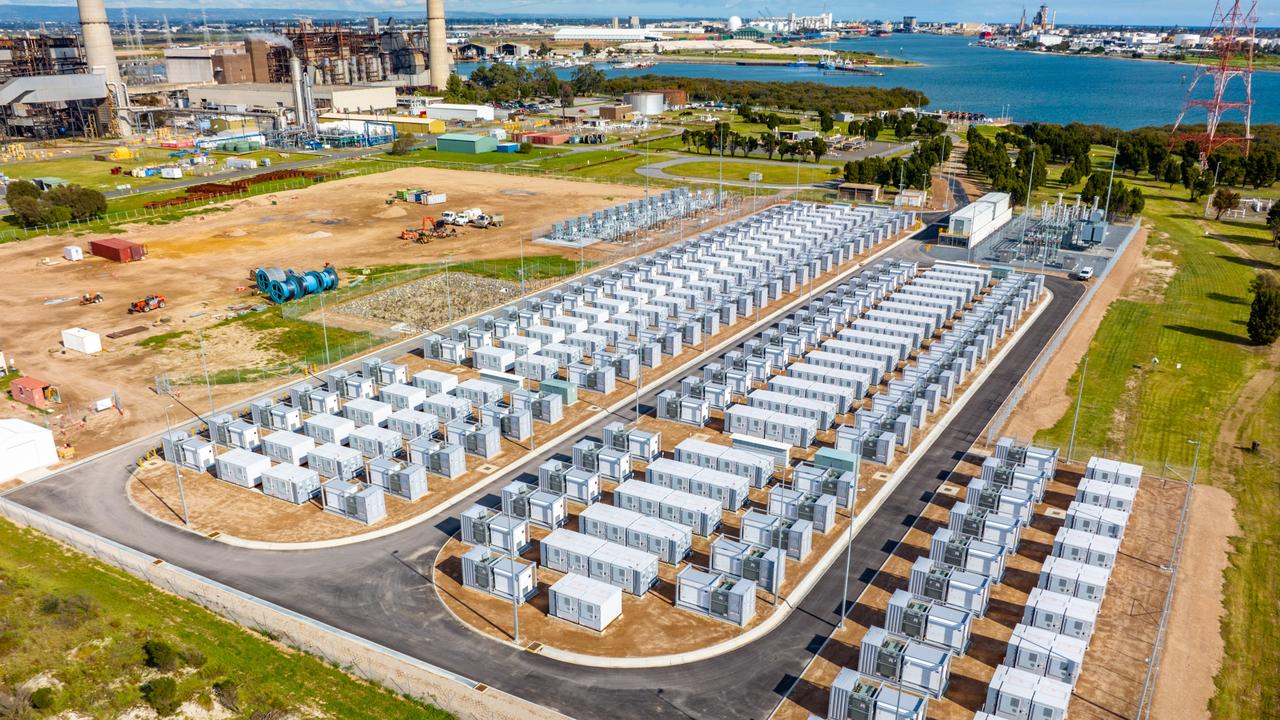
1104, 56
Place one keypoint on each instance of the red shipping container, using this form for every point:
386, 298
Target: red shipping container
117, 249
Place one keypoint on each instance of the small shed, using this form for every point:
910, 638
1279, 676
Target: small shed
117, 249
24, 446
859, 192
466, 143
29, 390
587, 602
81, 340
619, 113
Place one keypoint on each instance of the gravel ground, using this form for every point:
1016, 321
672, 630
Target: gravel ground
425, 303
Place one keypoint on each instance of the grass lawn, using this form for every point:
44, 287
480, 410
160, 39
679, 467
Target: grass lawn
623, 171
573, 161
84, 170
492, 158
1189, 310
161, 341
773, 173
83, 625
301, 339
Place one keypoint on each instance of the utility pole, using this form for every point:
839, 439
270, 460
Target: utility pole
522, 290
848, 563
448, 293
204, 364
177, 472
324, 328
1106, 210
1075, 418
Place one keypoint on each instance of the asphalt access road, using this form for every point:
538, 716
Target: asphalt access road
379, 589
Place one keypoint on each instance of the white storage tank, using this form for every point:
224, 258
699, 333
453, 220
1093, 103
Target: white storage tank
581, 600
242, 467
290, 482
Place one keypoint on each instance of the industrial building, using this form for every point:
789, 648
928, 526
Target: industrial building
341, 55
976, 221
273, 97
49, 106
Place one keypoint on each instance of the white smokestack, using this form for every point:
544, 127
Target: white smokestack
96, 32
299, 105
437, 50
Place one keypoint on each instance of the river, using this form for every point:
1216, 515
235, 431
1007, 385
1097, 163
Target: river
1032, 87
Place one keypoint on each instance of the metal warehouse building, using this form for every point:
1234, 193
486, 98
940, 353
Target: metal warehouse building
465, 143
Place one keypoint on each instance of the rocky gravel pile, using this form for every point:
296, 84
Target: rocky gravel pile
424, 303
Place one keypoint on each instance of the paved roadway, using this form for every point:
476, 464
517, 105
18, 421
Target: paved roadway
379, 589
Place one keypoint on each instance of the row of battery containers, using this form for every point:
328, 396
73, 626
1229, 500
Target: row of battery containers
565, 339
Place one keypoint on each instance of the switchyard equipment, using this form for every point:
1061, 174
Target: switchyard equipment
487, 526
929, 621
635, 571
354, 501
716, 595
438, 457
1044, 652
818, 480
499, 575
975, 522
1003, 501
794, 537
670, 542
731, 491
405, 480
273, 415
191, 451
1017, 477
1097, 550
413, 423
581, 600
287, 481
860, 697
1113, 471
287, 447
912, 664
1060, 613
643, 446
1014, 693
795, 504
1072, 577
376, 442
757, 468
364, 411
336, 462
540, 507
1106, 495
1097, 520
945, 583
967, 553
766, 566
435, 382
770, 425
700, 514
402, 397
447, 407
561, 478
242, 467
1042, 459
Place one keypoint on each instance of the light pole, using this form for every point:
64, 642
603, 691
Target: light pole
324, 329
448, 293
177, 472
848, 562
1071, 445
205, 365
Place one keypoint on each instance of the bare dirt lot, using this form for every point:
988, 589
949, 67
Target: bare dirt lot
202, 265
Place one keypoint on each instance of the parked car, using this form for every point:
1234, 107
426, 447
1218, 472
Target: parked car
1084, 273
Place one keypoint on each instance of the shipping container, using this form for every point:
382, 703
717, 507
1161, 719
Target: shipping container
435, 382
402, 397
716, 595
447, 407
929, 621
771, 425
581, 600
117, 249
731, 491
242, 467
1097, 520
1097, 550
287, 447
287, 481
670, 542
413, 423
364, 411
1106, 495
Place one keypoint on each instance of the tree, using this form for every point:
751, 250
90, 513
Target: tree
1223, 200
566, 97
547, 80
1069, 176
1264, 314
403, 145
1273, 223
903, 129
20, 189
1172, 171
587, 50
769, 143
825, 121
854, 128
587, 79
543, 49
818, 147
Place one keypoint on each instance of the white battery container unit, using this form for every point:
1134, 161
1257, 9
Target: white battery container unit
1017, 504
968, 553
287, 447
700, 514
1002, 530
1106, 495
542, 508
243, 435
794, 537
847, 363
376, 442
670, 542
581, 600
817, 480
757, 468
841, 397
478, 337
731, 491
519, 345
857, 382
1097, 520
717, 595
537, 367
569, 324
942, 582
854, 695
929, 621
316, 400
1072, 577
1060, 613
487, 526
1098, 550
1044, 652
189, 451
413, 423
402, 397
354, 501
595, 457
770, 425
545, 334
287, 481
479, 392
435, 382
912, 664
574, 483
242, 467
1002, 474
1113, 471
499, 575
481, 440
1016, 694
389, 373
767, 567
447, 407
795, 504
563, 354
437, 457
405, 480
363, 411
356, 386
821, 411
335, 462
1042, 459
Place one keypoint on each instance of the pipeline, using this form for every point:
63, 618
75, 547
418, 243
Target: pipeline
285, 285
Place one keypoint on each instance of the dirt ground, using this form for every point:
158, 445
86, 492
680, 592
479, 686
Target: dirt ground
202, 264
1048, 398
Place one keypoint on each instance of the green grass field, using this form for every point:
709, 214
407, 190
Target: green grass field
298, 339
491, 158
573, 161
773, 173
84, 170
82, 625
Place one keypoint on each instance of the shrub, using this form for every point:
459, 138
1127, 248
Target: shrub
160, 655
43, 698
228, 693
526, 147
68, 610
192, 657
21, 189
162, 695
403, 145
1264, 315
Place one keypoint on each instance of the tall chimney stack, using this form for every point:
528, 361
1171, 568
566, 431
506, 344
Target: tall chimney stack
97, 38
437, 49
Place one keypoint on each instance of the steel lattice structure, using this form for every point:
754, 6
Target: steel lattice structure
1234, 30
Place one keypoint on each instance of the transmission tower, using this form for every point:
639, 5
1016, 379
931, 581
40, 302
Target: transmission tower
1233, 32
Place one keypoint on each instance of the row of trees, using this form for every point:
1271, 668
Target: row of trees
33, 206
915, 171
721, 139
1016, 171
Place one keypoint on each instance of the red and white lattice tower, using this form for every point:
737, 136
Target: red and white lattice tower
1233, 32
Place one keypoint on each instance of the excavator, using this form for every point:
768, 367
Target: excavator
431, 228
147, 304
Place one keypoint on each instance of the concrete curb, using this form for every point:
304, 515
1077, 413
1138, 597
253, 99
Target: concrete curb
788, 604
519, 462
